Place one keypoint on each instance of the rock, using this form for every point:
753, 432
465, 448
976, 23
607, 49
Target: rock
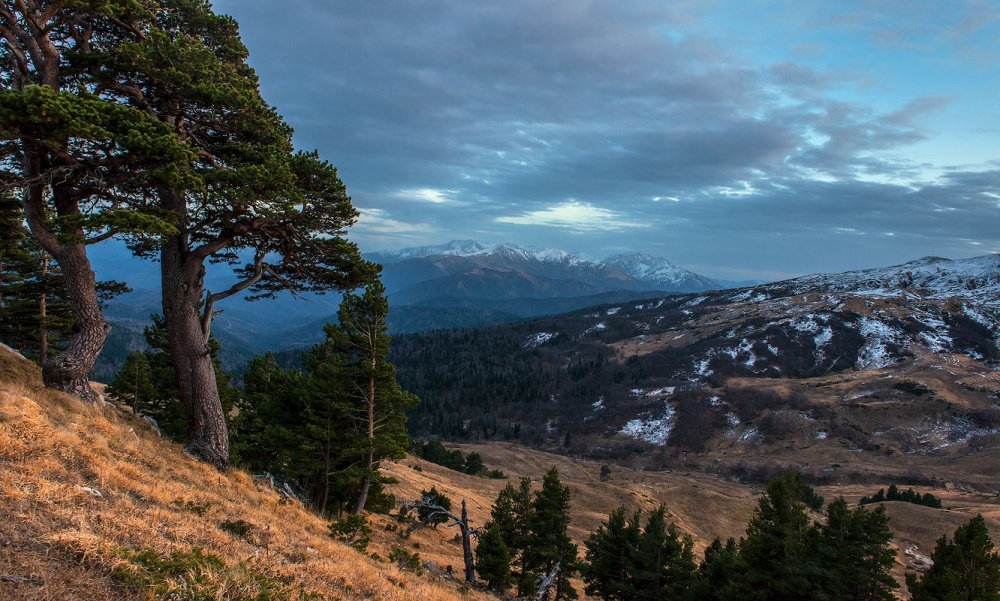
152, 424
87, 489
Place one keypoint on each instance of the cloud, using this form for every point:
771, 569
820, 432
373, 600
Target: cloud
576, 216
426, 195
378, 221
774, 130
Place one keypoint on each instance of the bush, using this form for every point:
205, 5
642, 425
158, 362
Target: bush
352, 529
406, 560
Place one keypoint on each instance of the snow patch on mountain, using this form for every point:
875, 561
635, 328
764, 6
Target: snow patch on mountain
652, 429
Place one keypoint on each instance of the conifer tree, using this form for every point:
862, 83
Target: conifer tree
358, 345
549, 543
855, 555
511, 513
611, 557
664, 562
719, 568
965, 568
493, 559
775, 556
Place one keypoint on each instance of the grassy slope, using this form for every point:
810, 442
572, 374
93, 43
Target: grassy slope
78, 545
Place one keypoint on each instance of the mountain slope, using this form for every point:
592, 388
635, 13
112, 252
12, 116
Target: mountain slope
742, 375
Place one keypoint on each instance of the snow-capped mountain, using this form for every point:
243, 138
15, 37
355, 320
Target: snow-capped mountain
659, 274
468, 269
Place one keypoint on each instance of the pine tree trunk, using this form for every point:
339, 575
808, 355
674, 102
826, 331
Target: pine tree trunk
69, 370
208, 436
43, 330
366, 480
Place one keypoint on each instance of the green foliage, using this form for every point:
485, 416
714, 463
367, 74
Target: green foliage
198, 509
493, 559
352, 529
775, 554
406, 560
147, 382
719, 568
195, 576
854, 553
965, 568
435, 452
784, 556
908, 496
626, 563
429, 515
549, 542
605, 473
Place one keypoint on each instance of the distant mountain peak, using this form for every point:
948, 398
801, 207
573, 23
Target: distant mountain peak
659, 273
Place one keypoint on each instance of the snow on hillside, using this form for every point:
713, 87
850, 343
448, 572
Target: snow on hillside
929, 277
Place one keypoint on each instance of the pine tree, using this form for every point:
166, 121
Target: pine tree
717, 571
610, 564
775, 558
511, 515
965, 569
549, 542
359, 345
493, 560
855, 555
664, 562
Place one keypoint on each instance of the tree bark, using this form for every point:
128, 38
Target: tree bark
366, 480
68, 371
470, 561
183, 275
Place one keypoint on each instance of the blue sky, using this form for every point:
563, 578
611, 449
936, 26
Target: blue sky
738, 139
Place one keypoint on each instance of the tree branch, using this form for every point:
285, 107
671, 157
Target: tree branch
211, 299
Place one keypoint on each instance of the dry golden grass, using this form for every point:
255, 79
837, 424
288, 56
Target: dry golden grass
85, 489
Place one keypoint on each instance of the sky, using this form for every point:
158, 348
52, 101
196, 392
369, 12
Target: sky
763, 139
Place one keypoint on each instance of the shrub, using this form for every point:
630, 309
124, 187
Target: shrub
352, 529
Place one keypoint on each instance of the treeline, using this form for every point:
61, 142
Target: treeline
786, 554
472, 464
908, 496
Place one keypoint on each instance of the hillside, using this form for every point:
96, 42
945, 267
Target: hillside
94, 505
895, 366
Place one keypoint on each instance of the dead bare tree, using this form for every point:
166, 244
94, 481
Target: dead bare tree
433, 510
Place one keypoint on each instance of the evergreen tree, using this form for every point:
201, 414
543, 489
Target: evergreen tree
428, 514
965, 569
719, 568
610, 557
511, 515
664, 562
162, 400
269, 429
493, 559
856, 558
775, 559
549, 542
359, 345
